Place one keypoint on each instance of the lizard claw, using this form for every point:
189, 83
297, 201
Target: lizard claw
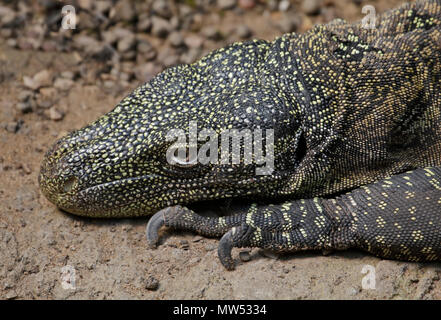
224, 249
236, 237
153, 226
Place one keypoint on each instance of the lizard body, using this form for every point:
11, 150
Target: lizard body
354, 110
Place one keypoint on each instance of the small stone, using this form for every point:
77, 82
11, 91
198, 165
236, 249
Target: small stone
194, 41
212, 33
55, 115
284, 5
244, 256
11, 295
184, 244
210, 247
103, 6
162, 8
12, 43
24, 107
63, 84
311, 7
289, 23
147, 50
40, 79
247, 4
123, 11
197, 238
176, 39
151, 283
243, 31
226, 4
126, 43
12, 126
170, 61
144, 23
24, 95
191, 55
160, 27
67, 75
146, 72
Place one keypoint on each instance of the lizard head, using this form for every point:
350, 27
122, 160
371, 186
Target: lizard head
134, 161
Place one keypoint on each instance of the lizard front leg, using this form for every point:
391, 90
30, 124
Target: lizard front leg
398, 218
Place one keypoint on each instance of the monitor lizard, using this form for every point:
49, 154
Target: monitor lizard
357, 142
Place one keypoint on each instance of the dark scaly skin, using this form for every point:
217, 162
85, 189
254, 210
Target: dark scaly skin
349, 107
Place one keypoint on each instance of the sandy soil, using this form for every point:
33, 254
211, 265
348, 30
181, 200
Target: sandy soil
41, 248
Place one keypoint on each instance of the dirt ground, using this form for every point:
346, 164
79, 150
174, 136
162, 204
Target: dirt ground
48, 254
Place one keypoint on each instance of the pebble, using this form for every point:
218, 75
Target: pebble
243, 31
63, 84
151, 283
24, 95
184, 244
226, 4
160, 27
162, 8
311, 7
194, 41
147, 50
40, 79
54, 114
212, 33
127, 43
244, 256
12, 126
247, 4
123, 11
24, 107
176, 39
210, 247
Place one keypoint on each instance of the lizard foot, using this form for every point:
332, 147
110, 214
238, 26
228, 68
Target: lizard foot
160, 219
237, 237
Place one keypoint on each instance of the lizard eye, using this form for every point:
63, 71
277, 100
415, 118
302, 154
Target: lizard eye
185, 159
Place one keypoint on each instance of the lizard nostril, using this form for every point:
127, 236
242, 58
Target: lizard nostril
70, 183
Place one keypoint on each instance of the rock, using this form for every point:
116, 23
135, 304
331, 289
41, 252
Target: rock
243, 31
12, 126
67, 75
176, 39
24, 107
184, 244
212, 33
63, 84
151, 283
103, 6
54, 114
162, 9
247, 4
146, 71
289, 23
284, 5
160, 27
210, 247
123, 11
244, 256
85, 4
46, 97
191, 55
194, 41
40, 79
25, 95
226, 4
144, 23
197, 238
126, 43
311, 7
170, 61
147, 50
